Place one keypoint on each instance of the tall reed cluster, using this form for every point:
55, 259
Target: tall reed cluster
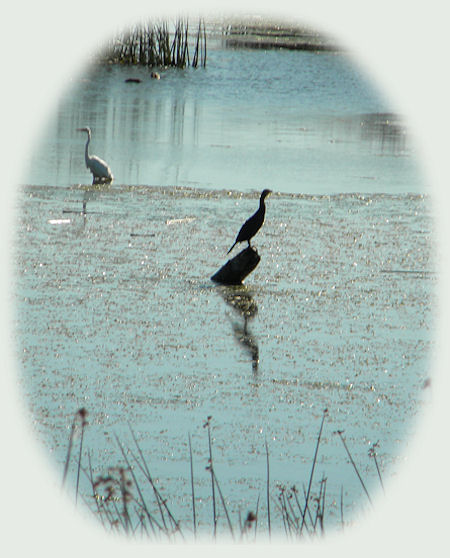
160, 44
128, 499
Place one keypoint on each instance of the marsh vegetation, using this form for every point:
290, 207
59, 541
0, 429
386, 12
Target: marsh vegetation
129, 499
116, 312
162, 44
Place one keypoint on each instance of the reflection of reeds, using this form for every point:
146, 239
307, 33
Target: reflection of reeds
158, 45
128, 500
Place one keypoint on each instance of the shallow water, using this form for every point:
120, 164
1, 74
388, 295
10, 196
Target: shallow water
295, 122
116, 311
117, 314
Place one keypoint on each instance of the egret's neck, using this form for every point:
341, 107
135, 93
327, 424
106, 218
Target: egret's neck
86, 153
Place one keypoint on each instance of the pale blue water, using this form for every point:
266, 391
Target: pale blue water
292, 121
117, 313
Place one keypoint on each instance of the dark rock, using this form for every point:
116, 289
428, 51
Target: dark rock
237, 269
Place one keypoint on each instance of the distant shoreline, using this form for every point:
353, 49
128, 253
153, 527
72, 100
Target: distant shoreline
257, 41
265, 35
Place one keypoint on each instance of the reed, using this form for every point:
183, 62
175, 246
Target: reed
161, 44
90, 477
320, 510
194, 515
253, 517
210, 468
128, 500
82, 414
297, 521
69, 452
121, 510
373, 455
340, 433
80, 417
324, 415
222, 499
163, 507
144, 507
268, 489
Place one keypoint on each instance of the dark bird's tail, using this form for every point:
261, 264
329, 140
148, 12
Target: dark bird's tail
232, 247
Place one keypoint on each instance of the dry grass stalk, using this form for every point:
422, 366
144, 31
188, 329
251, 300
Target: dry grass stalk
123, 506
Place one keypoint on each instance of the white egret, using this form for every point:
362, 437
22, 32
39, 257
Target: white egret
100, 170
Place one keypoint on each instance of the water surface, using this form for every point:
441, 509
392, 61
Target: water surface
116, 311
295, 122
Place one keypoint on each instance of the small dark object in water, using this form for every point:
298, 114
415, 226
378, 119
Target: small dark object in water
155, 75
133, 80
237, 269
253, 224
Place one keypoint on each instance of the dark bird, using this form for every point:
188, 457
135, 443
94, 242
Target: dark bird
254, 223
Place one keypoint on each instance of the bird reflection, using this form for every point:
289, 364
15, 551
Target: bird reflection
241, 300
84, 212
88, 195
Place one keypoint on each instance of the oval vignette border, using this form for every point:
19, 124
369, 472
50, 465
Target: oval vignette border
36, 516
